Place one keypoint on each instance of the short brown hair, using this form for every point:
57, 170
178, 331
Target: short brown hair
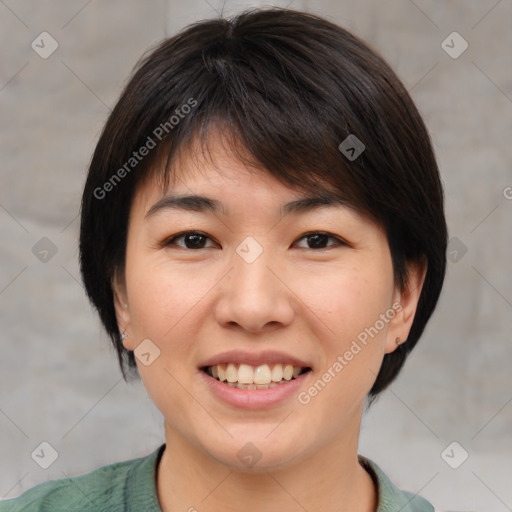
288, 87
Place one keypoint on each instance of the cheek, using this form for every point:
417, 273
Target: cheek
346, 300
349, 303
162, 294
162, 301
348, 306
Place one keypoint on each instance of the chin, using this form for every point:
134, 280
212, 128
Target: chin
256, 454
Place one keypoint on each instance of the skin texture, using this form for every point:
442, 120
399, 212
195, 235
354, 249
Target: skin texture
307, 302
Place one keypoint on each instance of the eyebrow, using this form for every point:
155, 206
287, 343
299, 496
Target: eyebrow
206, 204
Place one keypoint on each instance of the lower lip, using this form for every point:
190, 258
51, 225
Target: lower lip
254, 398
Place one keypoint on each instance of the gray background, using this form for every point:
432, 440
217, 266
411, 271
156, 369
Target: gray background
59, 380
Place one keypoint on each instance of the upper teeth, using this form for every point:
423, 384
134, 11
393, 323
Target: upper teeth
247, 374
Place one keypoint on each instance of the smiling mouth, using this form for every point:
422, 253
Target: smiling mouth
244, 376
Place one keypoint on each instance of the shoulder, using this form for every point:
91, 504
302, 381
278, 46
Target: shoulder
108, 488
390, 496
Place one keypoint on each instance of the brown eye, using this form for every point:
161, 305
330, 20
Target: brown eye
319, 240
190, 240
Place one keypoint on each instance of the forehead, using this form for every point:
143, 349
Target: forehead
202, 196
223, 163
218, 167
221, 177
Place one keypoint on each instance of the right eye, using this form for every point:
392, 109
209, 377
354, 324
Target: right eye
191, 240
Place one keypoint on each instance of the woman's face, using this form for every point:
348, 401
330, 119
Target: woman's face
257, 286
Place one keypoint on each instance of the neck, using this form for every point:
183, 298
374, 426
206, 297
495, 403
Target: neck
329, 479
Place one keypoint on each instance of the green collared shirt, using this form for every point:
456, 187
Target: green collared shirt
130, 486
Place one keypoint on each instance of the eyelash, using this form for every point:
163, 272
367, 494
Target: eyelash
171, 241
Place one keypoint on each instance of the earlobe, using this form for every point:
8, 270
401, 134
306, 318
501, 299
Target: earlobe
407, 303
126, 341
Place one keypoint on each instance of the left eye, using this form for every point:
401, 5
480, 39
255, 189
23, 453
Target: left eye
319, 239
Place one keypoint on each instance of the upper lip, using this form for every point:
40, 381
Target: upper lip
254, 358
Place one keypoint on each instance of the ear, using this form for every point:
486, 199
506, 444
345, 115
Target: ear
121, 307
405, 303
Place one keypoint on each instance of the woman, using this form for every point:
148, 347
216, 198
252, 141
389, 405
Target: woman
263, 236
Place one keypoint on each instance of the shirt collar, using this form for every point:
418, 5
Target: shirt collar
141, 494
390, 497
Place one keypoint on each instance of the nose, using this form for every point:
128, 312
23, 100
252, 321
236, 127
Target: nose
254, 296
